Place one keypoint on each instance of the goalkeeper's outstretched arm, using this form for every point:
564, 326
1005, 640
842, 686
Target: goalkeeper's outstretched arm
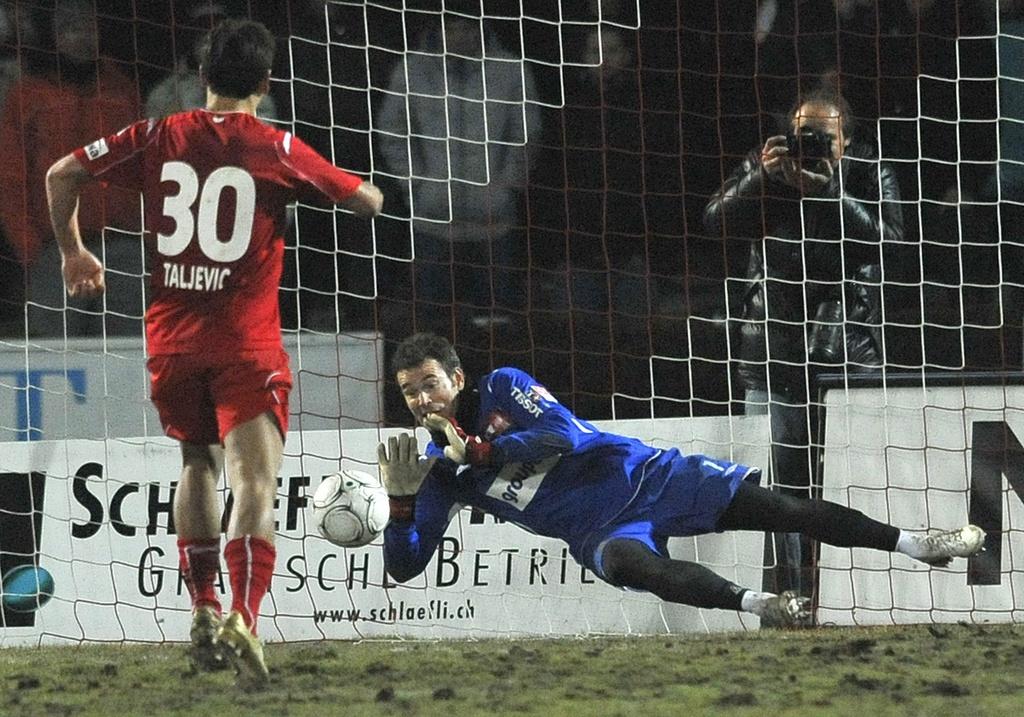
410, 541
422, 498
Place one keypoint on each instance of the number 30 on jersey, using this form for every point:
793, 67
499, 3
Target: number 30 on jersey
203, 223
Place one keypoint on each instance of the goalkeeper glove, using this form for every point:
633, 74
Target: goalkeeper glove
462, 448
403, 472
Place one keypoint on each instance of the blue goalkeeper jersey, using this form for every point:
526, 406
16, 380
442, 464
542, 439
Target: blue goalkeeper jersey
556, 475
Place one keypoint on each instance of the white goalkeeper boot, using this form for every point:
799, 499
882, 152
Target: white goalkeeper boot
244, 651
203, 652
787, 610
939, 549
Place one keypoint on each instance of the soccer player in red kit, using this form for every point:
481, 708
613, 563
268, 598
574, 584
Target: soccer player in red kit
216, 184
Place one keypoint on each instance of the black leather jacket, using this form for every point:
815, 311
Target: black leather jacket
803, 253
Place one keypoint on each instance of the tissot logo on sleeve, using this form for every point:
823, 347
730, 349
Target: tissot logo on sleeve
527, 402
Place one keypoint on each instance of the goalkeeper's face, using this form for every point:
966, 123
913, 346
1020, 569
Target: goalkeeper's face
428, 388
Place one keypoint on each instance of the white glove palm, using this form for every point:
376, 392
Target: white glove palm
456, 448
401, 465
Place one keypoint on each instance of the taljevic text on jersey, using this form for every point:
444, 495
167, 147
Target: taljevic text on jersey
195, 277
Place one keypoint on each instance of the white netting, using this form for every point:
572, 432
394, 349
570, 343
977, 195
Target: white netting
546, 167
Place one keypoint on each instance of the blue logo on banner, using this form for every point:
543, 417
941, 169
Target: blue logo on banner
29, 407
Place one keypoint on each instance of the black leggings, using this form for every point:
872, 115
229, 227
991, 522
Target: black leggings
757, 508
630, 563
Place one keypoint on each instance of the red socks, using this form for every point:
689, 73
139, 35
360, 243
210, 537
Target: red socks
250, 567
199, 563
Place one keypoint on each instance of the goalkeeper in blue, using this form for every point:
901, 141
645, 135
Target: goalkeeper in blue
520, 455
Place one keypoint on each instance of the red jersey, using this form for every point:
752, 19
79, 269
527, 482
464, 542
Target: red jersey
215, 189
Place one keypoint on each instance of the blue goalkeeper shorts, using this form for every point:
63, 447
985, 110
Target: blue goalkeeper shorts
682, 495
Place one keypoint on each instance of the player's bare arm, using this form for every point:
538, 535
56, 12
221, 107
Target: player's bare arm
83, 272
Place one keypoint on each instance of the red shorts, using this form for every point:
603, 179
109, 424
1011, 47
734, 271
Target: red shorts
201, 398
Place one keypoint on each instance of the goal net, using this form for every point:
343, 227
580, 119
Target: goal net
547, 170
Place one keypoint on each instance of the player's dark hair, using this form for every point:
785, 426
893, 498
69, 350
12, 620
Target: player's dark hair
236, 56
422, 346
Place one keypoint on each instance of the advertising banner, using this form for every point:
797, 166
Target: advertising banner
925, 459
97, 516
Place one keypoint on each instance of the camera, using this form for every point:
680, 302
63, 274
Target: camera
809, 146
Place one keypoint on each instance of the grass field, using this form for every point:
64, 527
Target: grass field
964, 670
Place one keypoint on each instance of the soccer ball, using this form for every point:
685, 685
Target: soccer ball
350, 508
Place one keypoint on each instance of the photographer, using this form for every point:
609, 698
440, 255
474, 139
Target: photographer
815, 205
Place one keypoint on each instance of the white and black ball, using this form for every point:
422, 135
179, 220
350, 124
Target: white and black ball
350, 508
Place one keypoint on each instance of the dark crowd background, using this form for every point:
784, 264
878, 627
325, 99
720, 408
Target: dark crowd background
623, 304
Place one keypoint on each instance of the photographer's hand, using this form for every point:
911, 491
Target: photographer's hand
775, 158
779, 165
815, 183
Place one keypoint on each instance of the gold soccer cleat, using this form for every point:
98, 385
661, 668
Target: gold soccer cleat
203, 652
244, 651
